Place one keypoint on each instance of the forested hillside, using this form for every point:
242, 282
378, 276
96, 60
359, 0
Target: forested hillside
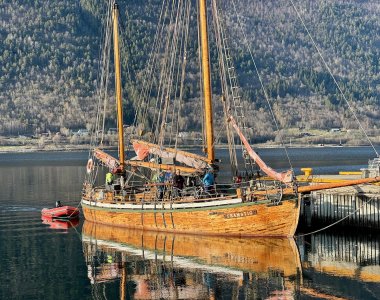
348, 36
49, 60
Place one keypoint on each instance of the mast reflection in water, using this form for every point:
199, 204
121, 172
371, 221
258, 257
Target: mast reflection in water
151, 265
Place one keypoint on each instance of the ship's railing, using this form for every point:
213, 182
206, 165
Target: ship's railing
166, 192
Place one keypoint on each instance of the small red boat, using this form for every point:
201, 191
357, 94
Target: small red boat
61, 212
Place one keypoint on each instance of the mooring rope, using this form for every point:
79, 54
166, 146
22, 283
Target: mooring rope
337, 222
77, 207
76, 231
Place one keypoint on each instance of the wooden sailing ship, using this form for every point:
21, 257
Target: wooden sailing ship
236, 209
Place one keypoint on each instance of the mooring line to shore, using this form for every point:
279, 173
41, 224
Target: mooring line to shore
79, 234
337, 222
77, 207
76, 231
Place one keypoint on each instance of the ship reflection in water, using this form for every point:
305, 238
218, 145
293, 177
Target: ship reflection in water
132, 264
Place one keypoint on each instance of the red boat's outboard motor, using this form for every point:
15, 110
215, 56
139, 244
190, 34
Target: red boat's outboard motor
58, 204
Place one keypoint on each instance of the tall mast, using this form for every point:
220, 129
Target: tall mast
115, 14
206, 80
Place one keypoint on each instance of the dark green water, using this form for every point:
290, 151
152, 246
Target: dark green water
39, 262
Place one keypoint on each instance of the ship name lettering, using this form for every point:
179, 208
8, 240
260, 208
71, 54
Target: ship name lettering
240, 214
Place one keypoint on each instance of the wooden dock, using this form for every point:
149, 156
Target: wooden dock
360, 203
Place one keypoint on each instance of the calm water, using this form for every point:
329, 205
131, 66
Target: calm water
49, 261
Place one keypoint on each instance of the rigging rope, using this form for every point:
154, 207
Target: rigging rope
170, 74
103, 80
164, 75
182, 60
149, 71
225, 62
261, 82
332, 76
180, 98
102, 84
175, 74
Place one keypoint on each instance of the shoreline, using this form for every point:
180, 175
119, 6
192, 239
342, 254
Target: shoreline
86, 147
34, 149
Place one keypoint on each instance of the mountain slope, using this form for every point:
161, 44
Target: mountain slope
50, 50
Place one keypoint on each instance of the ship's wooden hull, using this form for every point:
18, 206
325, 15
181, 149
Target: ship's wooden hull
229, 216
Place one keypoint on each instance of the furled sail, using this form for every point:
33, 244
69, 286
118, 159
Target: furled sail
186, 171
114, 163
143, 149
285, 177
106, 159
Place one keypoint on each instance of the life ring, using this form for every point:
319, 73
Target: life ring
90, 166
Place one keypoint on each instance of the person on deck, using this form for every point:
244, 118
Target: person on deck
161, 185
208, 182
169, 182
168, 176
122, 182
238, 180
155, 176
109, 180
178, 183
